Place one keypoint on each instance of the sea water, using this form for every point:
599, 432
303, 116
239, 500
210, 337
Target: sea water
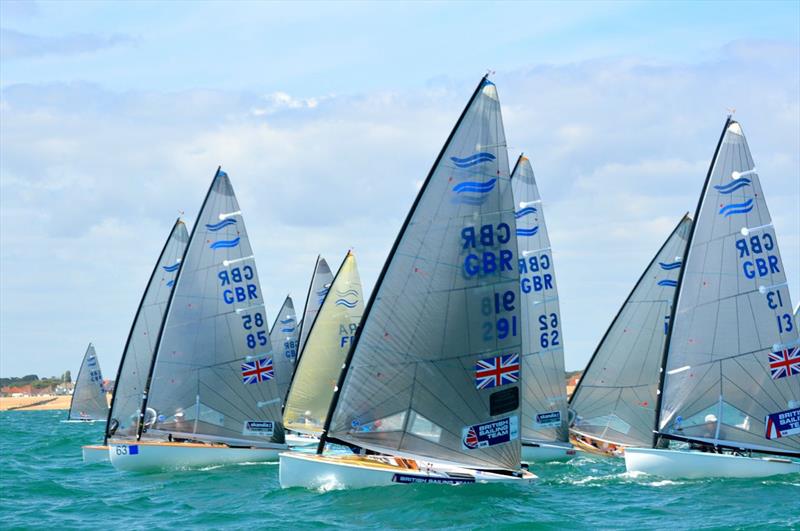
43, 482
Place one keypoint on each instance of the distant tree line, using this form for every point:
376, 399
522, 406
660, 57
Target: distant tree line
35, 381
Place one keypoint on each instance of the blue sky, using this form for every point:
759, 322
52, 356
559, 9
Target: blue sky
114, 116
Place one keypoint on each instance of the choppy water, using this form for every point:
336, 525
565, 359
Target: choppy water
43, 482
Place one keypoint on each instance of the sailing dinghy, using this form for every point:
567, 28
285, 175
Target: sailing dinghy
412, 397
89, 403
614, 403
730, 384
211, 396
544, 432
123, 415
329, 337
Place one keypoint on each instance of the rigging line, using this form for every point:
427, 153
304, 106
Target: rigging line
752, 398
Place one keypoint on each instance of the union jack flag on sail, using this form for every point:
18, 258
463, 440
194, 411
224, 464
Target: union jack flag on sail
257, 371
784, 363
494, 372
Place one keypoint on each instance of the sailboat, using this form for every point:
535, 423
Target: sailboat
730, 385
614, 402
411, 398
317, 290
544, 430
284, 336
123, 415
211, 395
328, 342
89, 403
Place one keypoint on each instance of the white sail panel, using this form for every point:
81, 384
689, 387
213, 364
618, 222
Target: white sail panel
141, 345
320, 284
89, 396
283, 336
615, 399
733, 317
214, 377
544, 392
435, 369
329, 340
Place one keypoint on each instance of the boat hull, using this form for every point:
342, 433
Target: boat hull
543, 452
693, 464
301, 441
95, 453
337, 472
153, 456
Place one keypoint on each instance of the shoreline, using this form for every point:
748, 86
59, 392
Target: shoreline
35, 403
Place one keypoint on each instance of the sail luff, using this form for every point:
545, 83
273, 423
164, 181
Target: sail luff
149, 380
301, 336
136, 316
384, 269
283, 336
671, 324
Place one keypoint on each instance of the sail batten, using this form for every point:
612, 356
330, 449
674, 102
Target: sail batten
730, 375
444, 310
544, 397
89, 396
616, 394
214, 373
123, 419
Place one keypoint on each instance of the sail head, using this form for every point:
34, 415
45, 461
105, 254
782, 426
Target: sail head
320, 285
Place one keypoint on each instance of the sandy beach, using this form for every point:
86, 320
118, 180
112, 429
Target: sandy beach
34, 403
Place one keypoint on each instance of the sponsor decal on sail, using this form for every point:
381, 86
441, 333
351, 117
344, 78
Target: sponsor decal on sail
783, 423
408, 478
263, 428
490, 433
548, 420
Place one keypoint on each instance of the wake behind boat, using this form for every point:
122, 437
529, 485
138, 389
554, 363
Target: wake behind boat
731, 369
410, 399
210, 396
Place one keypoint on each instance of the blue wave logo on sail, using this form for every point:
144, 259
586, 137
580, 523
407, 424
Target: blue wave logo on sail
670, 266
352, 292
472, 187
287, 330
473, 160
668, 283
346, 303
221, 225
528, 232
172, 268
225, 244
732, 186
170, 283
737, 208
524, 212
287, 320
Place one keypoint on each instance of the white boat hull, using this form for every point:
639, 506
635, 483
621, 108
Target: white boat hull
693, 464
338, 472
543, 452
95, 453
301, 441
144, 456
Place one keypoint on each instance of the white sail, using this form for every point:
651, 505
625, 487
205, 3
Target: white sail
329, 339
732, 372
434, 372
89, 396
544, 394
141, 345
213, 378
615, 399
283, 336
317, 290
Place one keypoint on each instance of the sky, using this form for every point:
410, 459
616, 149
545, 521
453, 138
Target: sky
327, 117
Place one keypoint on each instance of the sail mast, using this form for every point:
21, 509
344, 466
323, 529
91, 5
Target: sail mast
323, 438
149, 381
305, 308
133, 325
684, 260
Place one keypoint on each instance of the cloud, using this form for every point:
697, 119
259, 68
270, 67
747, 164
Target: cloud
92, 179
18, 45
